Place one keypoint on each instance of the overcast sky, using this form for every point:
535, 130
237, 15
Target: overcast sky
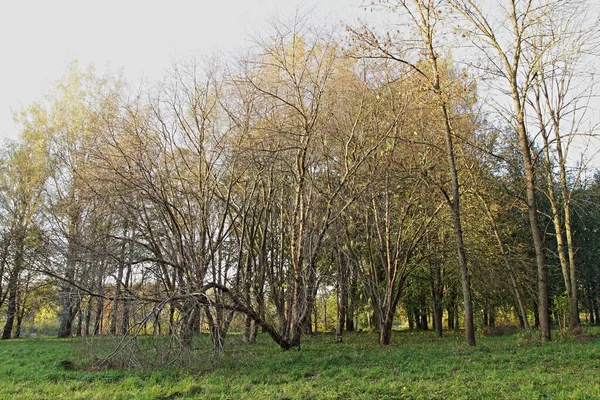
39, 38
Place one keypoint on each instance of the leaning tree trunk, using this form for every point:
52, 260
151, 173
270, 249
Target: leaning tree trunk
507, 264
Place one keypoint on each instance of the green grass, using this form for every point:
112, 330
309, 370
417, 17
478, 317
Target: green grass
416, 366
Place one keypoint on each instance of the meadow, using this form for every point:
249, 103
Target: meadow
416, 366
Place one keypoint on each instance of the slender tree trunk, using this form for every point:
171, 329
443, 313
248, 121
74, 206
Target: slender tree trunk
115, 304
450, 309
352, 299
249, 329
99, 302
486, 321
507, 264
3, 263
126, 303
437, 293
80, 318
520, 303
458, 235
98, 316
13, 286
88, 317
68, 296
567, 263
342, 303
532, 212
574, 320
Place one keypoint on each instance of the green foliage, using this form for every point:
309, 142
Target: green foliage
416, 366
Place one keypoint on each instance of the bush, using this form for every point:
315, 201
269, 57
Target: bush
499, 330
528, 336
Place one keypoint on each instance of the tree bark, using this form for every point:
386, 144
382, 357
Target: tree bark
532, 213
385, 328
13, 286
11, 310
458, 234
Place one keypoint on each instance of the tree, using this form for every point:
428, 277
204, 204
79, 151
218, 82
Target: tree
23, 174
299, 77
517, 60
424, 17
560, 99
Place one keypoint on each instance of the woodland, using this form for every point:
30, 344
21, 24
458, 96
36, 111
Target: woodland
437, 172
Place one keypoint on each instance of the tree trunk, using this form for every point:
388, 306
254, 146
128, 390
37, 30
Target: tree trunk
352, 299
424, 321
13, 287
574, 321
216, 334
126, 303
12, 306
521, 304
437, 293
507, 264
454, 203
532, 213
249, 330
486, 322
385, 328
80, 316
98, 315
114, 315
451, 307
437, 320
342, 303
67, 313
567, 265
68, 296
20, 316
186, 331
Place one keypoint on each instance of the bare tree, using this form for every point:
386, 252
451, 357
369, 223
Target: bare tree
514, 57
422, 55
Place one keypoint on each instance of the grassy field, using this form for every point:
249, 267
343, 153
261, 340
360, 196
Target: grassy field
416, 366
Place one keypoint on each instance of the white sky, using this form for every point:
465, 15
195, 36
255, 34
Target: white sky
39, 38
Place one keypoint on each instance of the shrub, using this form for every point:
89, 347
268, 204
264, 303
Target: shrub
499, 330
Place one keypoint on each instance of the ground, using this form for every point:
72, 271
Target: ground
416, 366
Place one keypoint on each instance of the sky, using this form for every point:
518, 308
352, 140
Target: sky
40, 38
